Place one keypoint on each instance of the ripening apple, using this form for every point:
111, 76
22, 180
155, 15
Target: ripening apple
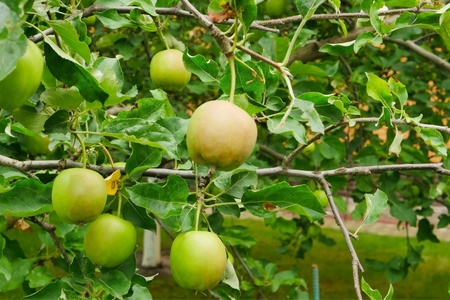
78, 195
220, 135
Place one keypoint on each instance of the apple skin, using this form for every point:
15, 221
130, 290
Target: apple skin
275, 8
220, 135
198, 260
322, 197
19, 85
168, 72
79, 195
109, 240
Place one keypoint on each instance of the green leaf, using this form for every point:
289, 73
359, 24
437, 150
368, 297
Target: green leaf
150, 109
111, 19
39, 276
164, 200
67, 70
142, 132
5, 265
366, 38
307, 7
20, 268
29, 197
372, 293
379, 90
69, 35
12, 40
230, 277
81, 269
345, 48
237, 182
139, 292
206, 70
109, 74
247, 10
403, 212
399, 90
291, 127
147, 5
54, 290
395, 147
310, 115
30, 118
332, 148
138, 216
282, 196
249, 79
425, 231
115, 282
444, 220
287, 277
444, 29
142, 158
375, 204
433, 138
63, 98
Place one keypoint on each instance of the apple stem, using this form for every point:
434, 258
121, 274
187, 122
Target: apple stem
160, 33
119, 205
231, 62
83, 149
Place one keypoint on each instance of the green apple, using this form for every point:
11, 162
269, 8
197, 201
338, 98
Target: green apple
79, 195
198, 260
322, 197
19, 85
168, 72
109, 240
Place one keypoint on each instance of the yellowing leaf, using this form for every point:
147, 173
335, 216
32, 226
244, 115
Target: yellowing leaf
112, 182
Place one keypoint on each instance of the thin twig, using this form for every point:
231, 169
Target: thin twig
288, 160
441, 63
50, 228
356, 264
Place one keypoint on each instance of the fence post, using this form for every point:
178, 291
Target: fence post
151, 256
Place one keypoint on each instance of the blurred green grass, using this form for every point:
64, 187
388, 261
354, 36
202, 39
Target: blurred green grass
430, 280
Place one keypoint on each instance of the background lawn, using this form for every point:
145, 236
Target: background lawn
429, 281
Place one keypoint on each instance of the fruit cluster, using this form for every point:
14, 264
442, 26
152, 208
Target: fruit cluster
220, 136
79, 196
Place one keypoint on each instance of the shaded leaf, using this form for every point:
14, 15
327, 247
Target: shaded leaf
67, 70
425, 231
138, 216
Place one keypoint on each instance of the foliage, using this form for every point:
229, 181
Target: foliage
367, 82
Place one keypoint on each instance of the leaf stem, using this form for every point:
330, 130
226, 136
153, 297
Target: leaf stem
231, 62
293, 41
119, 205
160, 33
83, 149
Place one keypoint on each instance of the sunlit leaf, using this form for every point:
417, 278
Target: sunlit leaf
270, 200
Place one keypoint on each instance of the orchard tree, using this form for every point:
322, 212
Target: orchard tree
118, 115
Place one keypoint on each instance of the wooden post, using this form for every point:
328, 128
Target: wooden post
151, 256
